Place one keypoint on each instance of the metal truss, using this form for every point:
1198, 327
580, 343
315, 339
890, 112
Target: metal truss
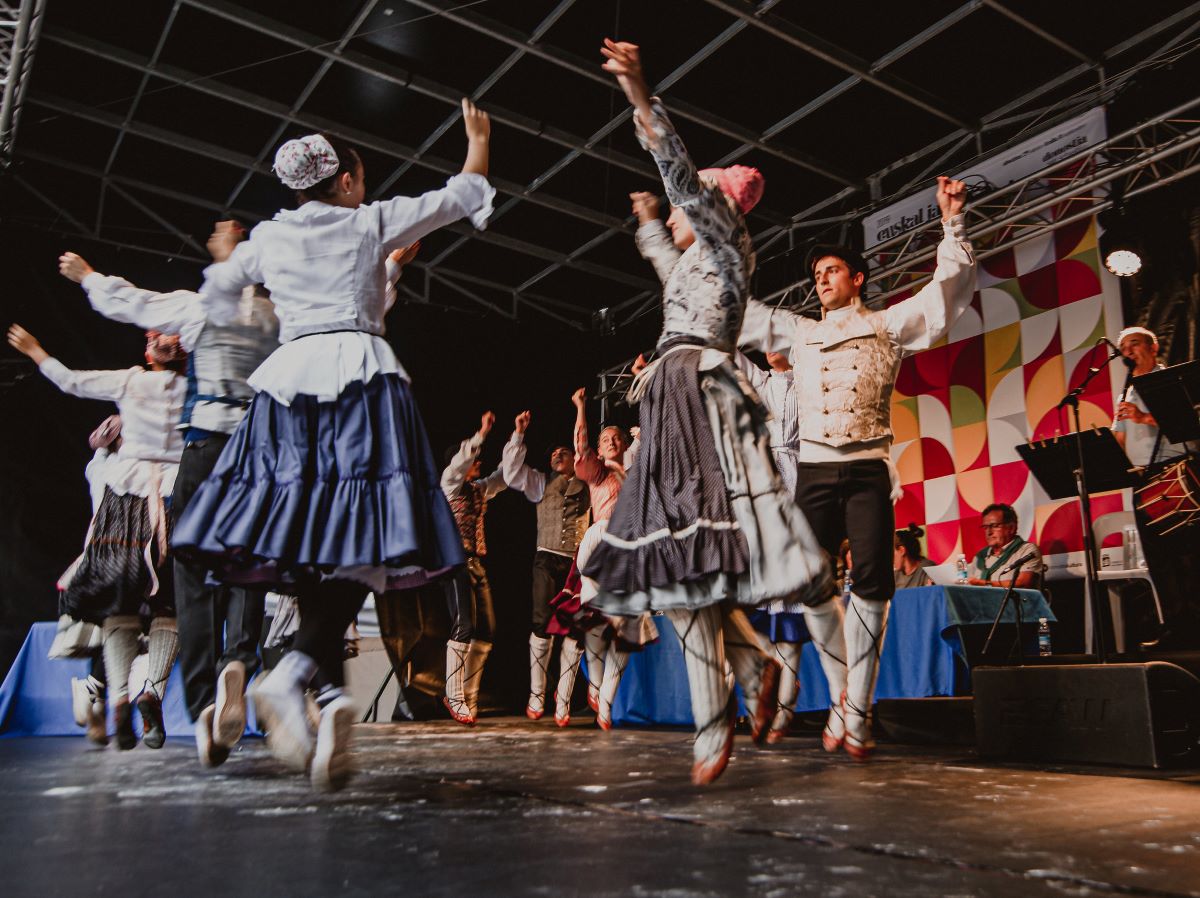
1158, 152
20, 26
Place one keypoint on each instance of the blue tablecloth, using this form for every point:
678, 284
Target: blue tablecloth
35, 698
919, 655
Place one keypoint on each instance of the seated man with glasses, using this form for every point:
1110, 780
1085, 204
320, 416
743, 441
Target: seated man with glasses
1002, 549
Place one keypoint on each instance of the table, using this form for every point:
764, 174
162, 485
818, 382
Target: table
922, 655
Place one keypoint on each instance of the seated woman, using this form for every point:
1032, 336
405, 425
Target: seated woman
908, 563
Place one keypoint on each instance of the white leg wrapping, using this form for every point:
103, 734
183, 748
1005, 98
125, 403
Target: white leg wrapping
745, 654
828, 635
704, 654
596, 642
788, 655
866, 626
477, 653
456, 666
614, 667
568, 666
539, 663
120, 648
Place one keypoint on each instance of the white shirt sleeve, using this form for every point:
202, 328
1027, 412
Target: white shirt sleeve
110, 385
403, 220
519, 475
920, 321
754, 374
179, 312
656, 246
492, 484
455, 474
221, 291
768, 329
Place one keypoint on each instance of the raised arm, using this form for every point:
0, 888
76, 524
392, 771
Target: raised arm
403, 220
589, 467
456, 472
707, 210
517, 474
921, 320
237, 265
653, 240
108, 385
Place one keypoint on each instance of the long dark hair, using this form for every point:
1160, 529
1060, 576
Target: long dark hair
348, 161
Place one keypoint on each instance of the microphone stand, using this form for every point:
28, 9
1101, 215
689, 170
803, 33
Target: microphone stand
1085, 510
1015, 570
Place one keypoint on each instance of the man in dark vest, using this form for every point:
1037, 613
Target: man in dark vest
562, 501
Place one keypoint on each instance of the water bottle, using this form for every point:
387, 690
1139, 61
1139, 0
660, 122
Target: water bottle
1044, 636
961, 565
847, 586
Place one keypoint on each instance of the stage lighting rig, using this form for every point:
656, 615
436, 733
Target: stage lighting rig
1118, 244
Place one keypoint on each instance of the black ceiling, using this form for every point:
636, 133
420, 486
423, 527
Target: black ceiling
146, 120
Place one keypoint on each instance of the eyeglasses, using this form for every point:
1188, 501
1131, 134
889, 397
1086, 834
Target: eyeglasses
1000, 526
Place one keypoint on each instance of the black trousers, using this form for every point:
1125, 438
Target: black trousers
326, 611
217, 624
852, 500
469, 601
549, 574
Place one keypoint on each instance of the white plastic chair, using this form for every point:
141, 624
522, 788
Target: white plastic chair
1116, 571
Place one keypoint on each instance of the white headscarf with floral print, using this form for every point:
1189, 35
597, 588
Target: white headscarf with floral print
303, 162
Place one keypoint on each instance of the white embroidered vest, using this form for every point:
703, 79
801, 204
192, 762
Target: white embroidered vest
845, 369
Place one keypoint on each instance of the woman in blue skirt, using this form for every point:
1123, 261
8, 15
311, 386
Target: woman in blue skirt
328, 489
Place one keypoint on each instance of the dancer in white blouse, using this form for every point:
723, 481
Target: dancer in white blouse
328, 489
124, 569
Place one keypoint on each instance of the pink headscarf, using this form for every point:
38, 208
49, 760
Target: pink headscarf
106, 434
303, 162
163, 348
741, 183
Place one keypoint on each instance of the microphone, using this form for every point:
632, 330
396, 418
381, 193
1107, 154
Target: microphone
1020, 562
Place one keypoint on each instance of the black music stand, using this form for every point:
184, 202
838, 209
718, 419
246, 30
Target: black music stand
1079, 464
1172, 396
1053, 462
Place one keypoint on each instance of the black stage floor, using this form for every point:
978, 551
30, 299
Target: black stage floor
517, 808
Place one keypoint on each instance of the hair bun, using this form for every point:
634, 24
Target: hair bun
915, 530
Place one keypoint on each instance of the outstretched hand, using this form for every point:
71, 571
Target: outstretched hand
579, 397
224, 238
486, 422
522, 421
645, 206
74, 267
951, 196
624, 60
404, 255
26, 344
476, 121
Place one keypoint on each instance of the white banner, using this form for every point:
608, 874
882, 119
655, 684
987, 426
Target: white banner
1026, 158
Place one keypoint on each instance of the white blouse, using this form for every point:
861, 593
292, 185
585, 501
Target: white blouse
149, 403
324, 266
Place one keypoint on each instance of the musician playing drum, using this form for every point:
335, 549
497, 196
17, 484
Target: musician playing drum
1170, 557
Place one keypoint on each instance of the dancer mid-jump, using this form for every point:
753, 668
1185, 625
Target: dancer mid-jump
703, 523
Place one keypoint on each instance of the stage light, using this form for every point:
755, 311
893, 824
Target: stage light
1123, 262
1118, 243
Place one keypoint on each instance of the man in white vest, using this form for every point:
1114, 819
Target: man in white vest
845, 366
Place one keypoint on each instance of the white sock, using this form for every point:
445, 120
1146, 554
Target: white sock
456, 665
866, 626
120, 648
704, 655
568, 666
164, 649
293, 672
597, 647
539, 663
825, 626
745, 655
477, 653
788, 655
614, 667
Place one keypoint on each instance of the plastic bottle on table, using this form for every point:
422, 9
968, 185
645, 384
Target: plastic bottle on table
1044, 636
961, 565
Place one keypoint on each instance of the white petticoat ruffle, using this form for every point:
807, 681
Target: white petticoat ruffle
322, 365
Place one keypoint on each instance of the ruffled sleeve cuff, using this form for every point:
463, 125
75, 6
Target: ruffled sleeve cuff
476, 194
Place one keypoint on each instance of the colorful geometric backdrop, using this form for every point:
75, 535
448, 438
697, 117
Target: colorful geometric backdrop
961, 408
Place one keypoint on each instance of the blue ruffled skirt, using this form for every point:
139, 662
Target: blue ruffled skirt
345, 489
